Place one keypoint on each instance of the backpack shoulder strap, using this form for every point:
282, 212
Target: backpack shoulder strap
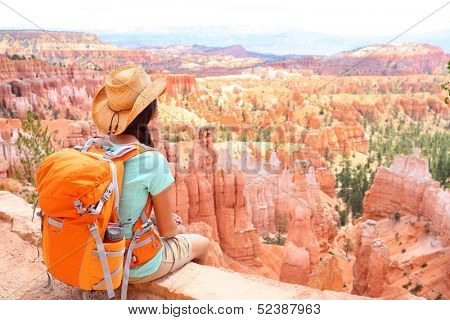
123, 153
127, 152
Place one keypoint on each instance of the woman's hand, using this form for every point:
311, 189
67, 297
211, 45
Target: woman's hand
177, 218
179, 222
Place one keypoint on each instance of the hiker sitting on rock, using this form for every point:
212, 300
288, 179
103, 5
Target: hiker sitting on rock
122, 109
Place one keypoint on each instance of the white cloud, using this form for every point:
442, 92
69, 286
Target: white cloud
381, 18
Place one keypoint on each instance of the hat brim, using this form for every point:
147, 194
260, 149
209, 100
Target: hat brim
102, 114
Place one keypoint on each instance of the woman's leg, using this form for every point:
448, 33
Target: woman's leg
200, 246
178, 251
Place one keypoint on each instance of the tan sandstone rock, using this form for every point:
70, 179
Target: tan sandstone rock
372, 261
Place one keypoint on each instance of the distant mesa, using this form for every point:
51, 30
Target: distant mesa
408, 49
32, 41
87, 50
237, 51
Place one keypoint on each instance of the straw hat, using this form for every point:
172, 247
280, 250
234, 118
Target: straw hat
126, 93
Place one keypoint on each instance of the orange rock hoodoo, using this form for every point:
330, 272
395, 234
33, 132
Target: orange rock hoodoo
406, 188
179, 85
342, 139
412, 215
318, 225
372, 261
214, 196
50, 91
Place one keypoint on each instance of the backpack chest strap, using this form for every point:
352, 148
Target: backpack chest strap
144, 219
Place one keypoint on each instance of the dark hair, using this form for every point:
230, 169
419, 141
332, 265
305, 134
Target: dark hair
139, 126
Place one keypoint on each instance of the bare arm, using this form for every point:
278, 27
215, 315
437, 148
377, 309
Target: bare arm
162, 202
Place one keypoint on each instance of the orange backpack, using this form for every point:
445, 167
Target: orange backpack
78, 193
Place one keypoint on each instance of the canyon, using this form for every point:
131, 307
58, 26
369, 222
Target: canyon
257, 149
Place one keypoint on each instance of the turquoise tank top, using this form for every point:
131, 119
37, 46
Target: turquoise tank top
147, 173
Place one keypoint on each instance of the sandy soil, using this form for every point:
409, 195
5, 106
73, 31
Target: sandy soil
23, 274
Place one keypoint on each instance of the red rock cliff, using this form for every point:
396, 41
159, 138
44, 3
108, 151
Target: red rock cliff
406, 188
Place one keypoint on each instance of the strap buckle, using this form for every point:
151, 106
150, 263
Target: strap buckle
108, 192
95, 209
79, 207
155, 244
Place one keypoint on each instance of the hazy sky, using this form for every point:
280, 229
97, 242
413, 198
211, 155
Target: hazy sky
362, 18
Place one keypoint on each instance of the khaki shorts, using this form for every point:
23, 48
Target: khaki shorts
176, 253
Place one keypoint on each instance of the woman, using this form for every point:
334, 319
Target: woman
123, 109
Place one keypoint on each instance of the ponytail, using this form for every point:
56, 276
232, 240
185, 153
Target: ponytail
139, 126
144, 136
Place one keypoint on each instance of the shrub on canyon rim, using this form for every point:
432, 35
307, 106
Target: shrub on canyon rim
34, 144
